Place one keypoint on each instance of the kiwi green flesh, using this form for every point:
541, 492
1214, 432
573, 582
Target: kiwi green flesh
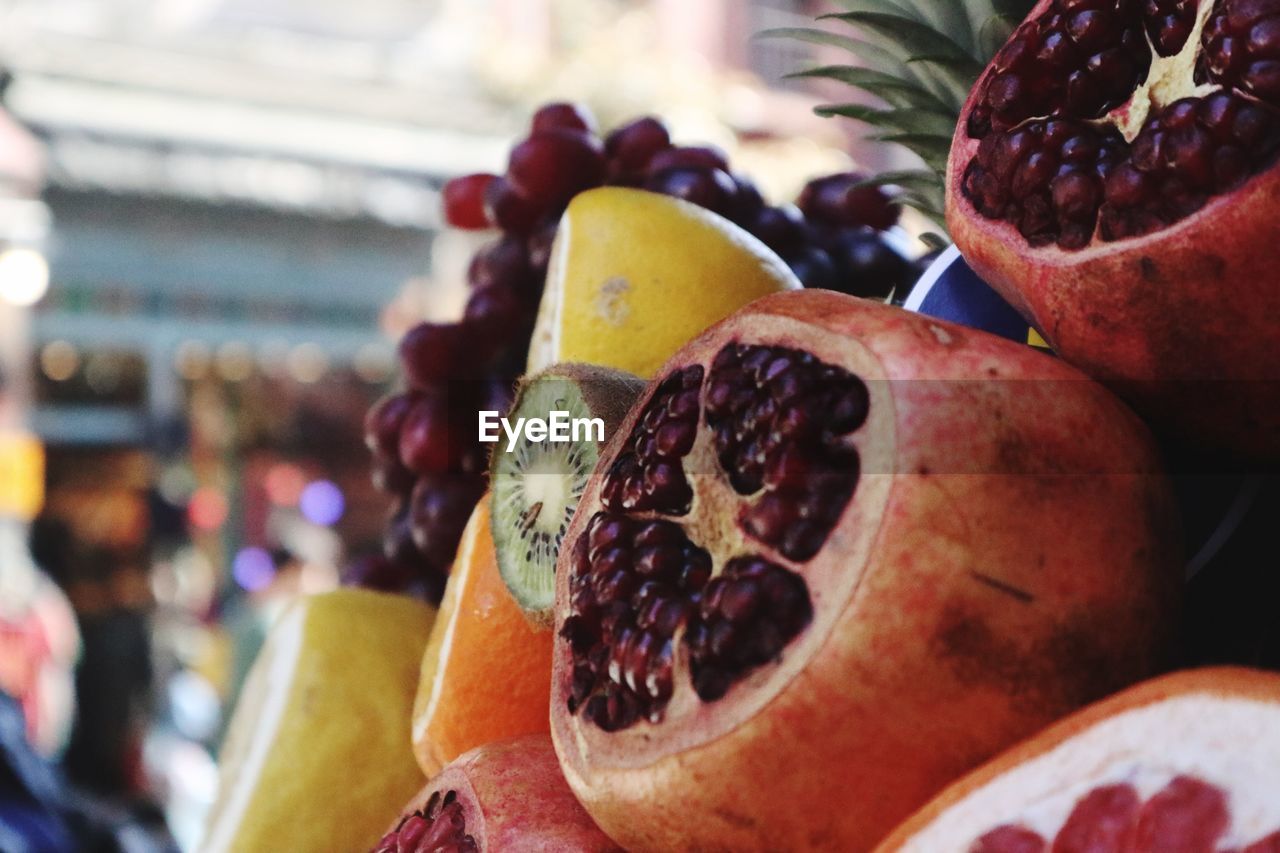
536, 486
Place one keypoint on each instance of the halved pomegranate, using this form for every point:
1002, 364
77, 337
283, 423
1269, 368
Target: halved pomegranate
508, 795
1188, 763
1113, 175
836, 555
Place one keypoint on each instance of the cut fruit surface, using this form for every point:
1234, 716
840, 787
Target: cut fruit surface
503, 796
1114, 176
484, 674
536, 485
822, 522
1188, 763
322, 719
634, 275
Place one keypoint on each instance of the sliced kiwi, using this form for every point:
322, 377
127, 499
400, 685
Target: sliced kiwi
536, 485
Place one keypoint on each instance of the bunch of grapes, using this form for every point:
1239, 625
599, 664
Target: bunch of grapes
424, 439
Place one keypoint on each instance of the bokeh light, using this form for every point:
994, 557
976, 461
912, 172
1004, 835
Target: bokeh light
208, 508
24, 276
322, 503
253, 568
284, 484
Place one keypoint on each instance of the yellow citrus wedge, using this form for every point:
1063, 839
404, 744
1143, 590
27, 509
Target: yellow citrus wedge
486, 673
315, 756
635, 275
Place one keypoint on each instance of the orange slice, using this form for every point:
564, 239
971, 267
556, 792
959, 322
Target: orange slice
486, 672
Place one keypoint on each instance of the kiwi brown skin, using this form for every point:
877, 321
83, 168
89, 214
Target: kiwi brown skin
608, 394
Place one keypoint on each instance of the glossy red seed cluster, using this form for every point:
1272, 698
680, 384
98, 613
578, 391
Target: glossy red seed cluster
640, 585
1188, 814
439, 827
648, 474
1169, 24
1242, 47
1047, 168
1080, 59
1046, 178
779, 418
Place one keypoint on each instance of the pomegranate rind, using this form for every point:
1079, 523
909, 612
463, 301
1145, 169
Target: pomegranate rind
1216, 683
914, 670
1182, 322
514, 797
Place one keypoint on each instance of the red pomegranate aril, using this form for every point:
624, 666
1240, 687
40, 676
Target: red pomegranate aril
1009, 839
550, 167
1103, 820
563, 116
1187, 815
510, 209
1270, 844
463, 201
439, 827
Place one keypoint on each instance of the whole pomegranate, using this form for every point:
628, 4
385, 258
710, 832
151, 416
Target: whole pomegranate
508, 795
836, 555
1113, 176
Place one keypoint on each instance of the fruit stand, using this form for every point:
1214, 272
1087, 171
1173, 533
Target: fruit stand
919, 512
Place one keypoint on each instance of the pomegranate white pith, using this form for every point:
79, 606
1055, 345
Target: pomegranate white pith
1007, 555
1219, 727
1179, 314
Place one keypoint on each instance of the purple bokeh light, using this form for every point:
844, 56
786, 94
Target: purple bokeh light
322, 503
253, 568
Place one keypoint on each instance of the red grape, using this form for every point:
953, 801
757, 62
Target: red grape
813, 267
432, 352
389, 474
868, 266
563, 115
504, 261
496, 313
438, 512
688, 157
539, 246
424, 438
382, 422
712, 189
631, 147
509, 209
464, 201
838, 200
552, 166
780, 228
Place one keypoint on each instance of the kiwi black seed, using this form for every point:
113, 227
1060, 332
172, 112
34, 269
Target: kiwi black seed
536, 485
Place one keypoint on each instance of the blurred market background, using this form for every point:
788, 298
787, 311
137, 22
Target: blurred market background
216, 217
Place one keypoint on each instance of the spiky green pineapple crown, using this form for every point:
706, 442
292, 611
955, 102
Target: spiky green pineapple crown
918, 58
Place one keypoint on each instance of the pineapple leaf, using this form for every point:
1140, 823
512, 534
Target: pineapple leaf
994, 33
951, 18
907, 120
890, 89
874, 56
902, 8
934, 241
918, 39
918, 179
961, 67
932, 148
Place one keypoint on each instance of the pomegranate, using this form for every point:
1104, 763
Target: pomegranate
507, 795
836, 555
1188, 763
1113, 176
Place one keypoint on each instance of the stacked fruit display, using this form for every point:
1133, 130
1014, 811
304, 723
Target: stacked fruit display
839, 576
424, 457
